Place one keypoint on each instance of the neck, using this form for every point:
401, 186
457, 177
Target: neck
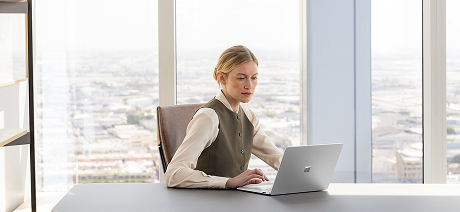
233, 102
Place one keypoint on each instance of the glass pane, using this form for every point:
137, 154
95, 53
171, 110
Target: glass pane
12, 47
453, 90
205, 28
96, 90
397, 155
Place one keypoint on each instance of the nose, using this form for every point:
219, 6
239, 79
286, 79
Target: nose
248, 85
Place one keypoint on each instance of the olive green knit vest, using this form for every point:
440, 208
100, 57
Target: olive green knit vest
228, 155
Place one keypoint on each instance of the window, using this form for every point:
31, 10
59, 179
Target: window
97, 83
96, 92
205, 28
396, 91
453, 91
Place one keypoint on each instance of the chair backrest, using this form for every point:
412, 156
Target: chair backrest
172, 124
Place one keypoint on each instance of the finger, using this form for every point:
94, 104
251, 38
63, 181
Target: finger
252, 176
265, 176
252, 181
258, 176
260, 172
251, 171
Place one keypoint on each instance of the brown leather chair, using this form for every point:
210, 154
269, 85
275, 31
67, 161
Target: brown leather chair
172, 124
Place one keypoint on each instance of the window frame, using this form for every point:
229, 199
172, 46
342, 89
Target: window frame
434, 91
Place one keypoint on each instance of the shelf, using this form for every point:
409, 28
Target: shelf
14, 0
9, 135
13, 6
2, 84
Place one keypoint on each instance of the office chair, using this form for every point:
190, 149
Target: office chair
172, 124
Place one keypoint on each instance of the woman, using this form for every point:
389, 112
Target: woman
222, 134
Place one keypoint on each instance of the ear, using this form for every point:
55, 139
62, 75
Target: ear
221, 78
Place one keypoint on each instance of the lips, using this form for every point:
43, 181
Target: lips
247, 94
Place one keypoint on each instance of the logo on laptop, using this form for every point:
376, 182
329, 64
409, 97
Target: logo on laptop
307, 169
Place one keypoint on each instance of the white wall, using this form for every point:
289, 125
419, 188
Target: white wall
14, 160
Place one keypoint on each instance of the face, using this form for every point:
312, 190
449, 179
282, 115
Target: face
240, 84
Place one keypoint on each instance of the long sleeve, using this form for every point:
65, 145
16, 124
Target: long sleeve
201, 132
262, 147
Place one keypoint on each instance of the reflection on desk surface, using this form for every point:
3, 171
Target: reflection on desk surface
338, 197
393, 189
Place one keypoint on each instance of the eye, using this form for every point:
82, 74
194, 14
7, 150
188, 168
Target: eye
241, 78
254, 78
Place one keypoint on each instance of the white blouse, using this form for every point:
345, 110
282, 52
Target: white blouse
201, 133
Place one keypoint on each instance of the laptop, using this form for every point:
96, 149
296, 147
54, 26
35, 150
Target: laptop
302, 169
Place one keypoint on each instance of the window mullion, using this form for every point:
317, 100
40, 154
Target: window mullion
434, 91
303, 70
166, 57
167, 51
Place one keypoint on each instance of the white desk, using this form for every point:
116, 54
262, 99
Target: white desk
339, 197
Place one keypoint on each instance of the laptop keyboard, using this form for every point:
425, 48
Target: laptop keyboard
265, 187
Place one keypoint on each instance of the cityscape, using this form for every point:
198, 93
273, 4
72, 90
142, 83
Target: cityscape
96, 114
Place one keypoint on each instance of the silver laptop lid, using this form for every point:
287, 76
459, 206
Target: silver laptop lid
306, 168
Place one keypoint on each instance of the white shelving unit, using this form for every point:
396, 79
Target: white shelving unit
17, 146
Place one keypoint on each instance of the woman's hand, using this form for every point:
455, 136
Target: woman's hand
250, 176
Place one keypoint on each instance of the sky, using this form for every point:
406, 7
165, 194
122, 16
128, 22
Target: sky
96, 25
109, 24
397, 26
120, 24
256, 24
452, 28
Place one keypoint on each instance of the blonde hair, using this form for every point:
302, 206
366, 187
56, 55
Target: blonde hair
233, 58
